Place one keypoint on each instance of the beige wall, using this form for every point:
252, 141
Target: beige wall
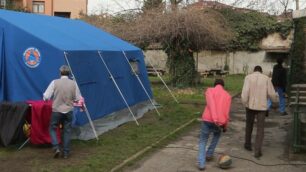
239, 62
158, 58
51, 6
73, 6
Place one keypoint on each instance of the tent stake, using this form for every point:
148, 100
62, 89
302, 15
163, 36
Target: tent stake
163, 82
85, 107
140, 82
114, 81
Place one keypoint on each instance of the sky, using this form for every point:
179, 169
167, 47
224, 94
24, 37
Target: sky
111, 6
115, 6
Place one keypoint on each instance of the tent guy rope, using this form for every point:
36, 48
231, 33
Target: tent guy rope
163, 82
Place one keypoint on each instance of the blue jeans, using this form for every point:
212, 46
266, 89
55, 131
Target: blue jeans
206, 129
65, 119
282, 101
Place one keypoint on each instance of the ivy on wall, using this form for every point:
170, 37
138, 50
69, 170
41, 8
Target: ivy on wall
249, 28
297, 55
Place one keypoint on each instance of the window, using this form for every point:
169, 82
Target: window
62, 14
272, 56
2, 3
134, 65
38, 7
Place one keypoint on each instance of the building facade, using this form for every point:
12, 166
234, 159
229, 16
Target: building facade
61, 8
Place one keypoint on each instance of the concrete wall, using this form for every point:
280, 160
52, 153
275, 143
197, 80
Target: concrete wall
158, 58
239, 62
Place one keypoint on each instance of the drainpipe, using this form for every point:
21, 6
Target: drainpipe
52, 4
86, 7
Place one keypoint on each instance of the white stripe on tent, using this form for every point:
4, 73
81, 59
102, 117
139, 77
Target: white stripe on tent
86, 110
163, 81
140, 82
114, 81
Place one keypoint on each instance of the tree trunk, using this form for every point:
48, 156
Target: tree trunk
181, 66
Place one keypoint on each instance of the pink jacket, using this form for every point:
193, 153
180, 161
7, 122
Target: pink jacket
218, 102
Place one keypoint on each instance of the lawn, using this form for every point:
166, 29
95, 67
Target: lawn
117, 145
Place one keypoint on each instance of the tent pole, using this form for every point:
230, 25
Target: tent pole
140, 82
114, 81
85, 107
163, 82
24, 144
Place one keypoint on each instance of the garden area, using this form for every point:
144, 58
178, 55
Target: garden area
119, 144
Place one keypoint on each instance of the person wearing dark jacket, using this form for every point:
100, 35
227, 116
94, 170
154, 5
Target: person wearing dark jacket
279, 81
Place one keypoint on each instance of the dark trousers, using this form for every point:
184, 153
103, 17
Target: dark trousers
65, 119
260, 118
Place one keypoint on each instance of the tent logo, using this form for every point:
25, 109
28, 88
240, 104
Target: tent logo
31, 57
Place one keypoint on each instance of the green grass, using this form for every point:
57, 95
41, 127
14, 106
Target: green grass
117, 145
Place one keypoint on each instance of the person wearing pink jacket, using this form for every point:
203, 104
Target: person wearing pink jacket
214, 118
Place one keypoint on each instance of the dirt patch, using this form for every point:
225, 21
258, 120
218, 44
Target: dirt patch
32, 158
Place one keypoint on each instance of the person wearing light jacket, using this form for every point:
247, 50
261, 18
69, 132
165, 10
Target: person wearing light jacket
256, 91
214, 119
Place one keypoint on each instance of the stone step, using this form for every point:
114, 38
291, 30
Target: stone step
301, 98
300, 103
300, 92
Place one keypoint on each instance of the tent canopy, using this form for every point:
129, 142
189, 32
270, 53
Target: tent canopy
32, 50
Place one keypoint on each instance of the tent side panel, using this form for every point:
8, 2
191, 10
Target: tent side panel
30, 64
143, 75
126, 79
2, 64
95, 84
100, 93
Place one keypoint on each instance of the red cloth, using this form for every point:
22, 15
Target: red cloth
218, 103
40, 122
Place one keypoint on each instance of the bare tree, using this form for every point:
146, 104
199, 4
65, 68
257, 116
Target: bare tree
284, 4
174, 3
297, 2
151, 4
180, 32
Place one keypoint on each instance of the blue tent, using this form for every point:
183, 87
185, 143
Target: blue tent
33, 47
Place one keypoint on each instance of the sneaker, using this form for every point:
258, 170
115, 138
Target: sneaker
201, 168
209, 158
258, 155
65, 156
57, 153
267, 113
248, 148
284, 113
